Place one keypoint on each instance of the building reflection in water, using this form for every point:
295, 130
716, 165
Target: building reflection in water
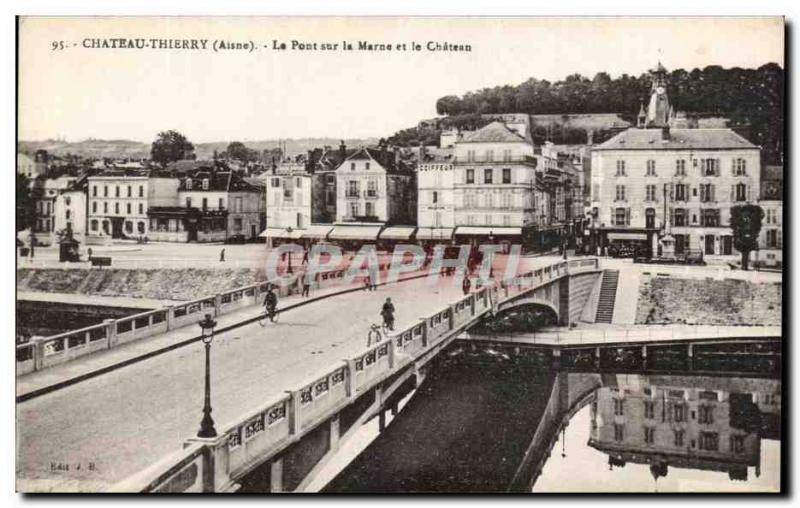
698, 423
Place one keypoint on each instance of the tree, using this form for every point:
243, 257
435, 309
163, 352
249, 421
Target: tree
746, 225
25, 203
238, 151
171, 146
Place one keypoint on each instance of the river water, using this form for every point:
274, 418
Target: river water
492, 421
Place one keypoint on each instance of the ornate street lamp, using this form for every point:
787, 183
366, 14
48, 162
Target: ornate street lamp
207, 424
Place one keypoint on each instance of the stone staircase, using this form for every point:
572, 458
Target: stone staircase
608, 295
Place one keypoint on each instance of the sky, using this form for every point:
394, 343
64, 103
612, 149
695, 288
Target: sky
78, 93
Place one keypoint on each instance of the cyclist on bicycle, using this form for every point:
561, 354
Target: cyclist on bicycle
388, 314
271, 302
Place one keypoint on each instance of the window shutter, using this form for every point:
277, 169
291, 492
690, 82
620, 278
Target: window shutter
780, 238
718, 168
703, 165
613, 219
733, 193
747, 191
713, 197
672, 192
627, 216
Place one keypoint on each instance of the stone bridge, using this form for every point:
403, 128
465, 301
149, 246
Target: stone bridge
293, 436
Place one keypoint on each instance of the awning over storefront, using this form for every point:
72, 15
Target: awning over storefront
486, 231
397, 233
317, 231
354, 233
294, 234
444, 234
627, 236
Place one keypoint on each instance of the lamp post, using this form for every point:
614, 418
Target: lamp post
207, 424
289, 268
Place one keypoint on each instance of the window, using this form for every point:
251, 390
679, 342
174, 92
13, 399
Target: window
237, 224
105, 191
352, 189
709, 441
470, 176
651, 168
650, 193
130, 191
649, 409
619, 432
706, 415
709, 217
739, 167
487, 176
737, 444
470, 155
239, 205
680, 167
489, 155
706, 192
93, 225
435, 197
141, 195
619, 407
741, 192
506, 155
366, 166
141, 209
189, 184
205, 183
116, 208
105, 207
94, 206
620, 195
506, 175
354, 209
679, 411
649, 435
679, 437
709, 167
128, 226
94, 190
188, 202
129, 209
205, 204
352, 166
116, 191
273, 182
772, 238
681, 192
620, 168
221, 203
140, 226
621, 217
369, 208
679, 217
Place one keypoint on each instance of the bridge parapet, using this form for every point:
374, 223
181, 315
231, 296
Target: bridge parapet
258, 435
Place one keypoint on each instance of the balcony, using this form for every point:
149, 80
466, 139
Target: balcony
352, 194
371, 194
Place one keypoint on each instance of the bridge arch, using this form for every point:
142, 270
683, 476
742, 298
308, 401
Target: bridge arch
522, 316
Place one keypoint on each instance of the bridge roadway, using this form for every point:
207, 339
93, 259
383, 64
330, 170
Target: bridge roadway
87, 436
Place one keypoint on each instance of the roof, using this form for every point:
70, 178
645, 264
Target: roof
217, 181
386, 158
495, 132
679, 139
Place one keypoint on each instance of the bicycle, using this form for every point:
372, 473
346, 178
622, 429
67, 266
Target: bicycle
270, 315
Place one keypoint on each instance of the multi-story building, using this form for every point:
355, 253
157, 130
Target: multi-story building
660, 188
45, 192
375, 189
70, 210
497, 195
288, 205
32, 166
435, 199
322, 165
119, 201
664, 423
770, 240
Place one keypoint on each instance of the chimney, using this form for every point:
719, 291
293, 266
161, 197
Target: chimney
342, 149
422, 154
665, 133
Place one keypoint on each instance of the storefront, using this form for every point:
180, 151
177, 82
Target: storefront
352, 236
480, 235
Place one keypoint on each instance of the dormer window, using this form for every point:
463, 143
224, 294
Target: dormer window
188, 184
366, 166
205, 183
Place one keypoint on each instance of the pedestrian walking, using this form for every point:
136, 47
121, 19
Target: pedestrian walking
387, 312
89, 252
222, 255
306, 287
465, 285
305, 257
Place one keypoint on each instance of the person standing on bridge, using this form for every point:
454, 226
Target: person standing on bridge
388, 314
466, 284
